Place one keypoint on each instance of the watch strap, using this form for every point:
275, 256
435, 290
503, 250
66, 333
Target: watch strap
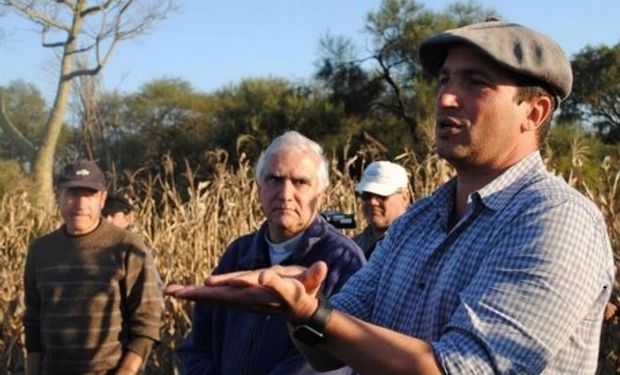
318, 319
312, 331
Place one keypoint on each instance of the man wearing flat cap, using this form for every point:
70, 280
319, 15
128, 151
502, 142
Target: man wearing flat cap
504, 269
92, 293
383, 192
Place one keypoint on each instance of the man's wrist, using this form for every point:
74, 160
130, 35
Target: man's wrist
126, 371
307, 314
312, 331
321, 314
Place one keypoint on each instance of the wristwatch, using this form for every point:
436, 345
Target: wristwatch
312, 332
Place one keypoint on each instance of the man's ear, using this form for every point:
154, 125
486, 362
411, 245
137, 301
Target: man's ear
103, 197
318, 200
407, 196
540, 109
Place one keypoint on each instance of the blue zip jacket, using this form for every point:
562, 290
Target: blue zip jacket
225, 341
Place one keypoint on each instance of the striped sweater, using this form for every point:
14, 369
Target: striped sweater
89, 299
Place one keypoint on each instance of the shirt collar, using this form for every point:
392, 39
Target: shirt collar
496, 194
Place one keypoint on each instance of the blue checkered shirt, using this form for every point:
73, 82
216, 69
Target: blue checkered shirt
517, 286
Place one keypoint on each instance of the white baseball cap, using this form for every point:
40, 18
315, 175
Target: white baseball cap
383, 178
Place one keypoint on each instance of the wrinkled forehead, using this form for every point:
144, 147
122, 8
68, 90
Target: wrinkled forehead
292, 163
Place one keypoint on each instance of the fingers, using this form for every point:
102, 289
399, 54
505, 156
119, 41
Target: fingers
231, 277
250, 278
186, 292
291, 292
314, 276
170, 290
298, 293
253, 299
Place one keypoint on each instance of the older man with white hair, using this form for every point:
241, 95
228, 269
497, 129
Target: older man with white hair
292, 175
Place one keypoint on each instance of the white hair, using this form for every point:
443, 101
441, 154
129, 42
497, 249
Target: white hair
294, 141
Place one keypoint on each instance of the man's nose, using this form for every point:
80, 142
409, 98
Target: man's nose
376, 200
79, 201
373, 200
286, 189
447, 97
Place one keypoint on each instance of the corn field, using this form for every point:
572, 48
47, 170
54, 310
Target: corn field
189, 229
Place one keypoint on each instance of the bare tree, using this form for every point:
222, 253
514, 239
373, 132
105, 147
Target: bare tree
75, 28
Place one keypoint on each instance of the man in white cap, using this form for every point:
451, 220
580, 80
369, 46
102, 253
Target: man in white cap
504, 269
384, 195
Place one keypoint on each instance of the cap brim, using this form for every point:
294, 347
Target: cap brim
375, 188
83, 184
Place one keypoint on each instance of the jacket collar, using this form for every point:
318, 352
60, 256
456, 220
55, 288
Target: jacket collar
258, 256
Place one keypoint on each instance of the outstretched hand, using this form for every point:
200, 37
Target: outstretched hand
287, 290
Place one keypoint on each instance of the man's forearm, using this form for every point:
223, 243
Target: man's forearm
130, 364
34, 361
370, 349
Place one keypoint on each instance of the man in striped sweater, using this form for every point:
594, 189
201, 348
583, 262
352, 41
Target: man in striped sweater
93, 295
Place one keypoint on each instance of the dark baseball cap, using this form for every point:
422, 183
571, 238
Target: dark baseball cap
517, 48
115, 203
82, 174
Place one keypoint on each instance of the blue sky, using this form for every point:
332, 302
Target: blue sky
213, 43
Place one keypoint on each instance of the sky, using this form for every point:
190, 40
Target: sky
213, 43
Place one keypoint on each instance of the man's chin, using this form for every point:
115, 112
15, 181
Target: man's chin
377, 219
284, 216
379, 222
285, 225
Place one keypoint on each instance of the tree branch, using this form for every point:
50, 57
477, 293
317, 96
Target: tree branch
45, 44
402, 108
26, 10
99, 8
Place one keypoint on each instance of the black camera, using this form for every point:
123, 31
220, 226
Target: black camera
339, 220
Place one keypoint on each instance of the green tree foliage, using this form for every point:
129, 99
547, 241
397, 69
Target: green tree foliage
343, 79
166, 116
26, 107
248, 116
595, 99
576, 154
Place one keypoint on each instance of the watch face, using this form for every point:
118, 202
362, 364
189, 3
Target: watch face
307, 335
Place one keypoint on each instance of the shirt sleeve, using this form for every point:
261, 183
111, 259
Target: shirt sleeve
543, 284
144, 301
33, 302
357, 295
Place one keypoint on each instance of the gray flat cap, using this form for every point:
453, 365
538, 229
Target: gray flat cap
515, 47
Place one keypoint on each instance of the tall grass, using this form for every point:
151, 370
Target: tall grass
189, 228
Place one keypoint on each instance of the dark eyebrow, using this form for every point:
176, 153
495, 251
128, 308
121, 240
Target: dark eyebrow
478, 72
468, 72
273, 176
301, 179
